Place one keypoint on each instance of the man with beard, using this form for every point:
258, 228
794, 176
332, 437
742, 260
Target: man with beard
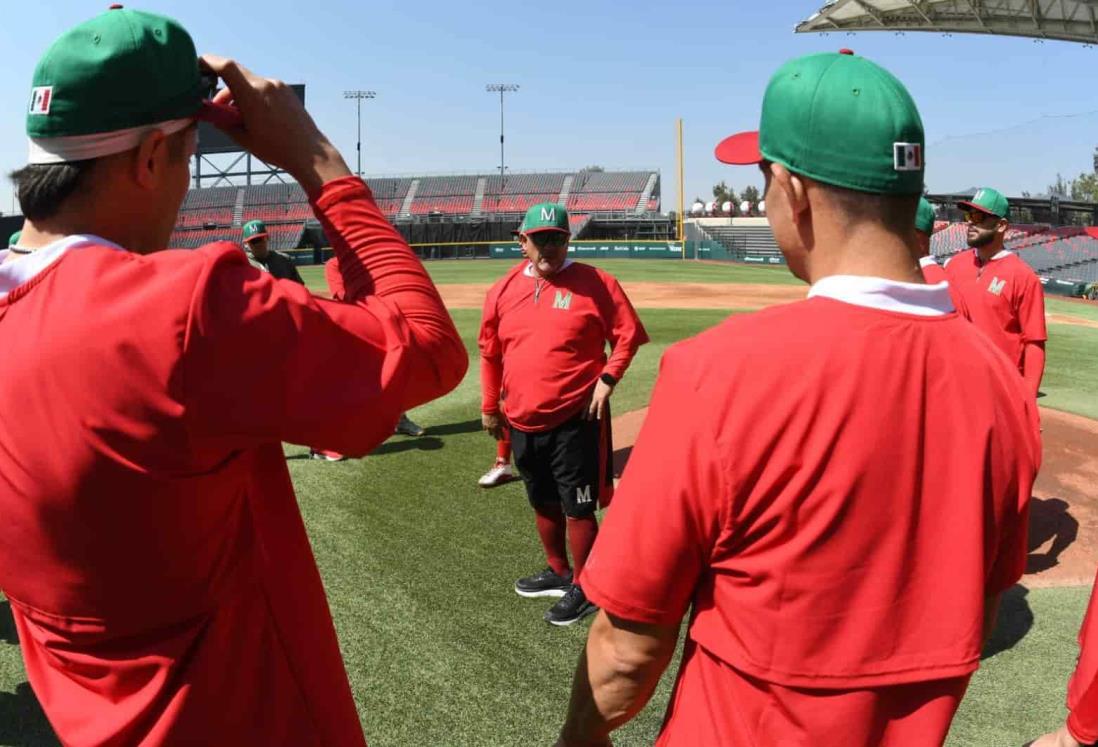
543, 342
1002, 293
257, 249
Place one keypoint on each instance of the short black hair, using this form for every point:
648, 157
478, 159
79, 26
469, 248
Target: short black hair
897, 212
44, 187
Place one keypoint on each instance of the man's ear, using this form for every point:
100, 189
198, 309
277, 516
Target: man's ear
794, 189
150, 159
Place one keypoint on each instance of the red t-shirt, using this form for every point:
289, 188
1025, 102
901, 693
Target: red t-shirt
1005, 298
803, 481
1082, 695
159, 573
543, 342
934, 274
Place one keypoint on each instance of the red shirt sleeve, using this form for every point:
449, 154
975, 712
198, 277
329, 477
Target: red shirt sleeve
1031, 310
491, 353
626, 332
668, 511
267, 361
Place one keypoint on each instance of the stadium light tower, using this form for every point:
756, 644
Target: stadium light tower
358, 96
501, 88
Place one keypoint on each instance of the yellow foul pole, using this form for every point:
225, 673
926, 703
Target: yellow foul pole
682, 194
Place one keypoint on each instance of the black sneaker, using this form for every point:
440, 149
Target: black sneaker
544, 584
571, 608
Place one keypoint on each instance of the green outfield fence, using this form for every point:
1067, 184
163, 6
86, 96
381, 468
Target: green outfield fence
638, 249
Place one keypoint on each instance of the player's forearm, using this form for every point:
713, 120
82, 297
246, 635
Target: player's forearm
616, 676
620, 359
374, 260
491, 381
1033, 365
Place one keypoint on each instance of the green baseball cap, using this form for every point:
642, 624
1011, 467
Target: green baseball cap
545, 216
254, 229
14, 240
924, 217
121, 70
988, 200
841, 120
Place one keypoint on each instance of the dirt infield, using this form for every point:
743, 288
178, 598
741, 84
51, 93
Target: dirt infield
690, 296
661, 295
1063, 532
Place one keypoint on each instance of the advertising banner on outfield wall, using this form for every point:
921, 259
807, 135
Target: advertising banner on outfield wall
644, 250
604, 250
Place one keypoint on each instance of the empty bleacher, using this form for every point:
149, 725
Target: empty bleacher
608, 191
746, 241
218, 212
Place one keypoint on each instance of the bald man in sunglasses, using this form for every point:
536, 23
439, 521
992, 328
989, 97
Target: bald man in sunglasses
1003, 294
543, 340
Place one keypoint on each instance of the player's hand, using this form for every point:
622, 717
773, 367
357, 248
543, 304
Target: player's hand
495, 424
276, 128
596, 408
1060, 738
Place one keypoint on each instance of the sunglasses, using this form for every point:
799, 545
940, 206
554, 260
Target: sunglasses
549, 239
975, 217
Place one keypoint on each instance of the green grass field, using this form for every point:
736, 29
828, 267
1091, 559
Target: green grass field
446, 272
419, 564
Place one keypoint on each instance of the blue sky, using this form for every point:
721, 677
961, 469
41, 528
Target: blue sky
602, 82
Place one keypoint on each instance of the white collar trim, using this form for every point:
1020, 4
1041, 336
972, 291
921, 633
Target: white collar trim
16, 272
927, 261
528, 271
887, 295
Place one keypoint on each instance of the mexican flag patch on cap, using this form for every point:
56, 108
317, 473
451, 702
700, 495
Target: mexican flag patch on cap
907, 156
40, 100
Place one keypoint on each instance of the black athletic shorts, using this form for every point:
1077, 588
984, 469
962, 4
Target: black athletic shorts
571, 464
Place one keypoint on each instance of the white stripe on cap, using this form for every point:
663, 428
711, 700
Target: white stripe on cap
84, 147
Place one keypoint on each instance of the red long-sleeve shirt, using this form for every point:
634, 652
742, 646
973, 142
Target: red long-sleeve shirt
159, 573
1082, 699
543, 342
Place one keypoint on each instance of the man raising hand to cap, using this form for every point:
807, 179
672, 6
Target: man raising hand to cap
157, 566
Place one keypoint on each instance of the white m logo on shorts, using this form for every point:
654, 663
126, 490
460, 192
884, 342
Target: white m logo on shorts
583, 495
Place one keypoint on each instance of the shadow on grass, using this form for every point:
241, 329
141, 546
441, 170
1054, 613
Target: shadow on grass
22, 723
423, 443
7, 624
454, 429
1050, 520
1014, 622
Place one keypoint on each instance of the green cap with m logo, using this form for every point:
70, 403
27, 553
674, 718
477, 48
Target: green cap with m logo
545, 216
988, 200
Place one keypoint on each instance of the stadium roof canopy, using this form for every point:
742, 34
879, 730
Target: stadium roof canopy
1067, 20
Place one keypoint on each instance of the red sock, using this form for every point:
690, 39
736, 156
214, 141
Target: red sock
581, 538
503, 450
551, 525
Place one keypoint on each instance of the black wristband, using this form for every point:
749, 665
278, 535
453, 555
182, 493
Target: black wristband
608, 380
